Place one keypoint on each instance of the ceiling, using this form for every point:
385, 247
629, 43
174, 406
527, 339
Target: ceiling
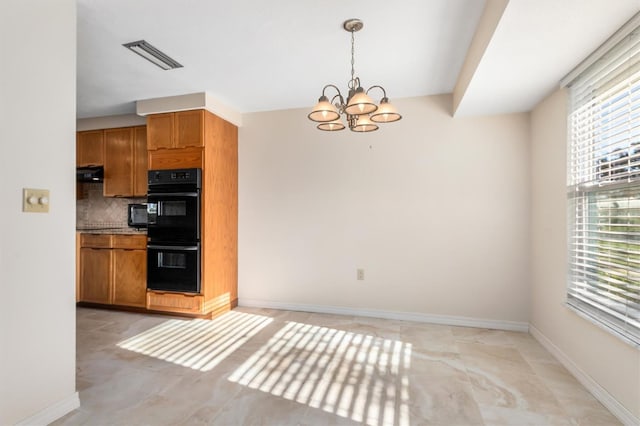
259, 56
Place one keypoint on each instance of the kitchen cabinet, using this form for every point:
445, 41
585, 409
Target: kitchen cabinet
129, 277
181, 303
95, 282
173, 130
113, 269
210, 143
160, 131
118, 164
78, 234
125, 162
140, 161
95, 268
166, 159
89, 148
188, 128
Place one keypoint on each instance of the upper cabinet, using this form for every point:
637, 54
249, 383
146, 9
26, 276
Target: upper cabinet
188, 128
89, 148
118, 162
125, 162
122, 152
140, 161
160, 131
181, 129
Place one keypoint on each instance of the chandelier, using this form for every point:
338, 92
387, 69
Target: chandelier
360, 111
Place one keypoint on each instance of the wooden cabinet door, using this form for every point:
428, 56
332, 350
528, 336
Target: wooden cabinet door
189, 129
77, 266
89, 146
130, 277
160, 131
128, 241
166, 159
140, 161
95, 275
118, 164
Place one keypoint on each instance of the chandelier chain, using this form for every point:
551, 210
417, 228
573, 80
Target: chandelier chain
352, 82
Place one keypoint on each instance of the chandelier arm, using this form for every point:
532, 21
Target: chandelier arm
341, 104
338, 95
354, 83
331, 85
384, 92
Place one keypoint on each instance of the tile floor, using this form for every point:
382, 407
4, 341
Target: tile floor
272, 367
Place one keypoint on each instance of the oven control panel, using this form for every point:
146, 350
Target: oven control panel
175, 177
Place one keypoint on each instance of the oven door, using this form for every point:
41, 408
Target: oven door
174, 217
173, 268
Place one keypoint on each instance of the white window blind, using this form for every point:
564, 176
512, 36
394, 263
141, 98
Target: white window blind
604, 190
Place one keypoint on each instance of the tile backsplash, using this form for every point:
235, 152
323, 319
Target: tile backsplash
96, 211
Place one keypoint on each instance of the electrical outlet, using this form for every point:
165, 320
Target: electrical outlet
360, 274
35, 200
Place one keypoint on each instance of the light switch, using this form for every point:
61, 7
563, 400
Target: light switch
35, 200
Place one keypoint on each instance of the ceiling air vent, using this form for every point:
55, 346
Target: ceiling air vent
153, 55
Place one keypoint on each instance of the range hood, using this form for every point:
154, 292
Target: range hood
90, 174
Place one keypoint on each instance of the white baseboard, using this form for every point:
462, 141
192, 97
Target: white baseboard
600, 393
396, 315
53, 412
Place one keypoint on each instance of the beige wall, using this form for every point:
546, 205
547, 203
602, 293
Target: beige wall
435, 209
611, 363
37, 150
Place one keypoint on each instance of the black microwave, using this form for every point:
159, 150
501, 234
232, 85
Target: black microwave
137, 215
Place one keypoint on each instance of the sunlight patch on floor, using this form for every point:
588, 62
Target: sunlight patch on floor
356, 376
197, 344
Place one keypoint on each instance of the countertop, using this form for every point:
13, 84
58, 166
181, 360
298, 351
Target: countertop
126, 230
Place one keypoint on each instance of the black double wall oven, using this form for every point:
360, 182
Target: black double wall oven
173, 215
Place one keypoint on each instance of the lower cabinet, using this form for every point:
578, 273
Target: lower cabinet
95, 275
129, 277
113, 269
175, 302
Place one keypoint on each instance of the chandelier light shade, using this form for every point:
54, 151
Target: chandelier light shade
324, 111
331, 126
360, 103
358, 109
364, 124
386, 113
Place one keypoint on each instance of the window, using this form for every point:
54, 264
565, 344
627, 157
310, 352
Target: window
604, 190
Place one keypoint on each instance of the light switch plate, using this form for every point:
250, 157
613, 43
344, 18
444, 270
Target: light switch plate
35, 200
